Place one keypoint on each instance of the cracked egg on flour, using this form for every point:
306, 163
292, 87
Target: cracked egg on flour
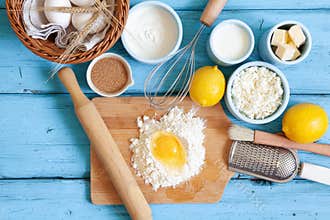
169, 151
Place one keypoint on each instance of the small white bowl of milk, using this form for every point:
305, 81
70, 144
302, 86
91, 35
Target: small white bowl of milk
231, 42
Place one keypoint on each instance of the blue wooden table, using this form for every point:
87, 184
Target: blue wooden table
44, 153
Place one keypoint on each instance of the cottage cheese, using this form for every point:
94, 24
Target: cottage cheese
185, 126
257, 92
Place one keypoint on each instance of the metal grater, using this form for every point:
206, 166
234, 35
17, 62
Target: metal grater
266, 162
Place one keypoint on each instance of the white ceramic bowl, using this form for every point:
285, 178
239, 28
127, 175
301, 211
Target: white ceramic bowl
179, 37
265, 48
233, 109
129, 83
221, 61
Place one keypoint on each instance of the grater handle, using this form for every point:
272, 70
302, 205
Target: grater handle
315, 173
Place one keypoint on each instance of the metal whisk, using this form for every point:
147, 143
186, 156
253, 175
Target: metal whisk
273, 163
181, 64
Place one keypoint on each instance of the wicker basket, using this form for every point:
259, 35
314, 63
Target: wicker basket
48, 49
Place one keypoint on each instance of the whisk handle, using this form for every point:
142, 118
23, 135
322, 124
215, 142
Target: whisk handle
211, 11
315, 173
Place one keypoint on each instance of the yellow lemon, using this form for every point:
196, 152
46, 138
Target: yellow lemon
305, 123
207, 86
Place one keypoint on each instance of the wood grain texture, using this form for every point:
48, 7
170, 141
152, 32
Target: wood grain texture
243, 199
120, 116
24, 72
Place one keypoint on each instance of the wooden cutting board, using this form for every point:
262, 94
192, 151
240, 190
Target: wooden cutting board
120, 116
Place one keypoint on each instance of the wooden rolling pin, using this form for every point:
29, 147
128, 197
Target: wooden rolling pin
106, 149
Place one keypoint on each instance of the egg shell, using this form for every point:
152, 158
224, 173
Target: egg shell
58, 18
80, 20
83, 2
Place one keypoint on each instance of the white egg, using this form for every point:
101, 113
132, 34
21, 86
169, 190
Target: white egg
80, 20
83, 2
58, 18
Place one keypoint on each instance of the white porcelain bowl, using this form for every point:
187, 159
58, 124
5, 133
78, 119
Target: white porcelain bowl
218, 59
129, 83
265, 48
179, 37
233, 109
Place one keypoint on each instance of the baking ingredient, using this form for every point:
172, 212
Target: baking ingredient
109, 75
59, 18
257, 92
305, 123
83, 2
207, 86
152, 32
279, 37
231, 41
296, 51
287, 42
169, 151
287, 52
80, 20
297, 35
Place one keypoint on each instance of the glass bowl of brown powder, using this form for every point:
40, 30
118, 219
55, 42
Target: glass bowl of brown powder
109, 75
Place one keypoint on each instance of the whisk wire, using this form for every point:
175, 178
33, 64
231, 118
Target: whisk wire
173, 88
168, 72
179, 88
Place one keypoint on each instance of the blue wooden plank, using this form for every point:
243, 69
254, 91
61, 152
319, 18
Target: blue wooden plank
240, 4
41, 137
23, 72
242, 199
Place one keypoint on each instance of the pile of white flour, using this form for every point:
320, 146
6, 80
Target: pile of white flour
188, 128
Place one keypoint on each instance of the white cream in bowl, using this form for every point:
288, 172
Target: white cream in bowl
231, 42
153, 31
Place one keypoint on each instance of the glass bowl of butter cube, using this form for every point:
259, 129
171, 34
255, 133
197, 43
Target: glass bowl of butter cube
287, 43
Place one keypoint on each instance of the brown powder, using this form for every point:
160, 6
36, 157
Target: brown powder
109, 75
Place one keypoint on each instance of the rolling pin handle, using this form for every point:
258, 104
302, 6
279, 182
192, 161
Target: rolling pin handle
70, 82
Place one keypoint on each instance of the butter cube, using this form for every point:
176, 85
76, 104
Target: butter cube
297, 35
296, 54
291, 43
285, 51
296, 51
279, 37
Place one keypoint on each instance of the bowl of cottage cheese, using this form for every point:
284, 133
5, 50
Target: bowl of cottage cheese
257, 93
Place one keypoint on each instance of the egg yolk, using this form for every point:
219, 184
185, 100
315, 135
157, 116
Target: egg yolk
168, 149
